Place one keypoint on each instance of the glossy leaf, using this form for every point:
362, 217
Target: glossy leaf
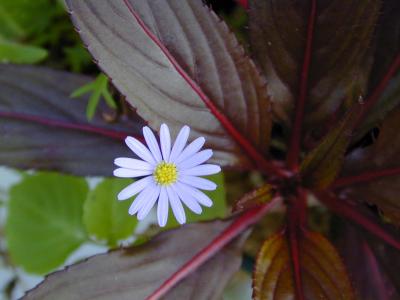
340, 54
177, 63
44, 223
378, 170
320, 167
42, 128
134, 273
322, 271
104, 216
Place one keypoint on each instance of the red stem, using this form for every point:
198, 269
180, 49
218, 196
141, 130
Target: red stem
296, 220
375, 271
63, 124
259, 159
341, 207
365, 177
238, 226
243, 3
294, 148
295, 255
369, 104
374, 97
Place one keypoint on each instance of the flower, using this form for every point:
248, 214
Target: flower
170, 176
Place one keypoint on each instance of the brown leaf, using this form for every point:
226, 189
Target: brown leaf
320, 167
134, 273
178, 63
256, 197
323, 274
389, 100
374, 163
387, 42
340, 60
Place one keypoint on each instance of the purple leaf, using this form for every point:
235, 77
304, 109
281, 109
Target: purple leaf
372, 174
41, 127
341, 51
365, 270
134, 273
178, 63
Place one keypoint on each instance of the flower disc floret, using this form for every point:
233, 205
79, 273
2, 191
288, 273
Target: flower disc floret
165, 173
169, 175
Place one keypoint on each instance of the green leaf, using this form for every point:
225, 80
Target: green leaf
11, 52
9, 25
93, 102
98, 88
218, 210
77, 57
104, 216
109, 99
44, 223
21, 18
84, 89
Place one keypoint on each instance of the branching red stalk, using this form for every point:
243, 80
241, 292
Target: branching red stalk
294, 146
368, 105
258, 159
374, 97
365, 177
341, 207
247, 219
118, 135
295, 255
296, 219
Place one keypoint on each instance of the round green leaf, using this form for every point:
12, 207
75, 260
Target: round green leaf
104, 216
218, 210
44, 223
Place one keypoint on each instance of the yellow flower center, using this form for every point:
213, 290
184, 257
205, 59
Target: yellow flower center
165, 173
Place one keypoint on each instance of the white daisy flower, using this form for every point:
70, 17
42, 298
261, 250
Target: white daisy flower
170, 176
